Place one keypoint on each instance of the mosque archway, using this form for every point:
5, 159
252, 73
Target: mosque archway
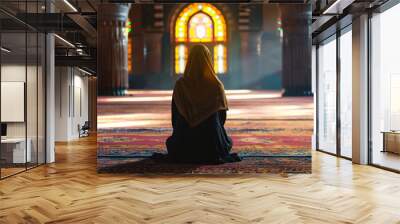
200, 23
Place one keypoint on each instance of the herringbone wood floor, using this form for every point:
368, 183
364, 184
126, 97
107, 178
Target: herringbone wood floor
70, 191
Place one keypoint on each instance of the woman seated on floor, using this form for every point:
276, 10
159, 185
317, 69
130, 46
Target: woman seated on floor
199, 108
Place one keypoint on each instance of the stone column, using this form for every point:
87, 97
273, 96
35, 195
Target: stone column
50, 98
360, 90
154, 52
50, 93
296, 49
92, 100
112, 49
248, 56
137, 39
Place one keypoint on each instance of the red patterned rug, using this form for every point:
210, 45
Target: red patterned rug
270, 133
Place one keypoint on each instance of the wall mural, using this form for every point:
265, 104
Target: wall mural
259, 52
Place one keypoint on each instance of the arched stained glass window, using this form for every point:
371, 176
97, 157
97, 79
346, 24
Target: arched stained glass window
128, 31
200, 28
201, 23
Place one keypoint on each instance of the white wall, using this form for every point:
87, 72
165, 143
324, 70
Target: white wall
80, 112
71, 102
14, 73
61, 103
33, 126
17, 73
13, 101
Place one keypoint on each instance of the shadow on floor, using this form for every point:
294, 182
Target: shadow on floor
247, 165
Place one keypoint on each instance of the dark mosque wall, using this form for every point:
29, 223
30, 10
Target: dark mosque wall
255, 44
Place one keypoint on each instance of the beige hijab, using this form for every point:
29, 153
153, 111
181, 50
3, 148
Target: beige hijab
199, 93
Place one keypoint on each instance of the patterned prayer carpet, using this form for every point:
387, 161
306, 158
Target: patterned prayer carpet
271, 133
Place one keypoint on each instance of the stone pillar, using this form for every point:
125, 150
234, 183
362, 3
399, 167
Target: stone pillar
138, 40
50, 98
360, 90
296, 49
112, 49
50, 92
234, 63
92, 100
154, 52
249, 58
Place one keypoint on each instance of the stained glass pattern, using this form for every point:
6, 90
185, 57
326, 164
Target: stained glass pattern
181, 53
200, 28
220, 59
181, 28
200, 23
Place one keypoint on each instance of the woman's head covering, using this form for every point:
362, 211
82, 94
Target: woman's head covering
199, 93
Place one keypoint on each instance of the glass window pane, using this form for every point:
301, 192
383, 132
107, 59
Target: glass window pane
220, 59
327, 97
23, 90
181, 54
32, 89
200, 28
218, 19
128, 32
385, 114
14, 153
31, 98
346, 94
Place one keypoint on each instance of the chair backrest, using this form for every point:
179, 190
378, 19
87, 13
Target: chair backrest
86, 125
3, 129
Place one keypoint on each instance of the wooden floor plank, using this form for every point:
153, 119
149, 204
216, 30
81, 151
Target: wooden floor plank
70, 191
